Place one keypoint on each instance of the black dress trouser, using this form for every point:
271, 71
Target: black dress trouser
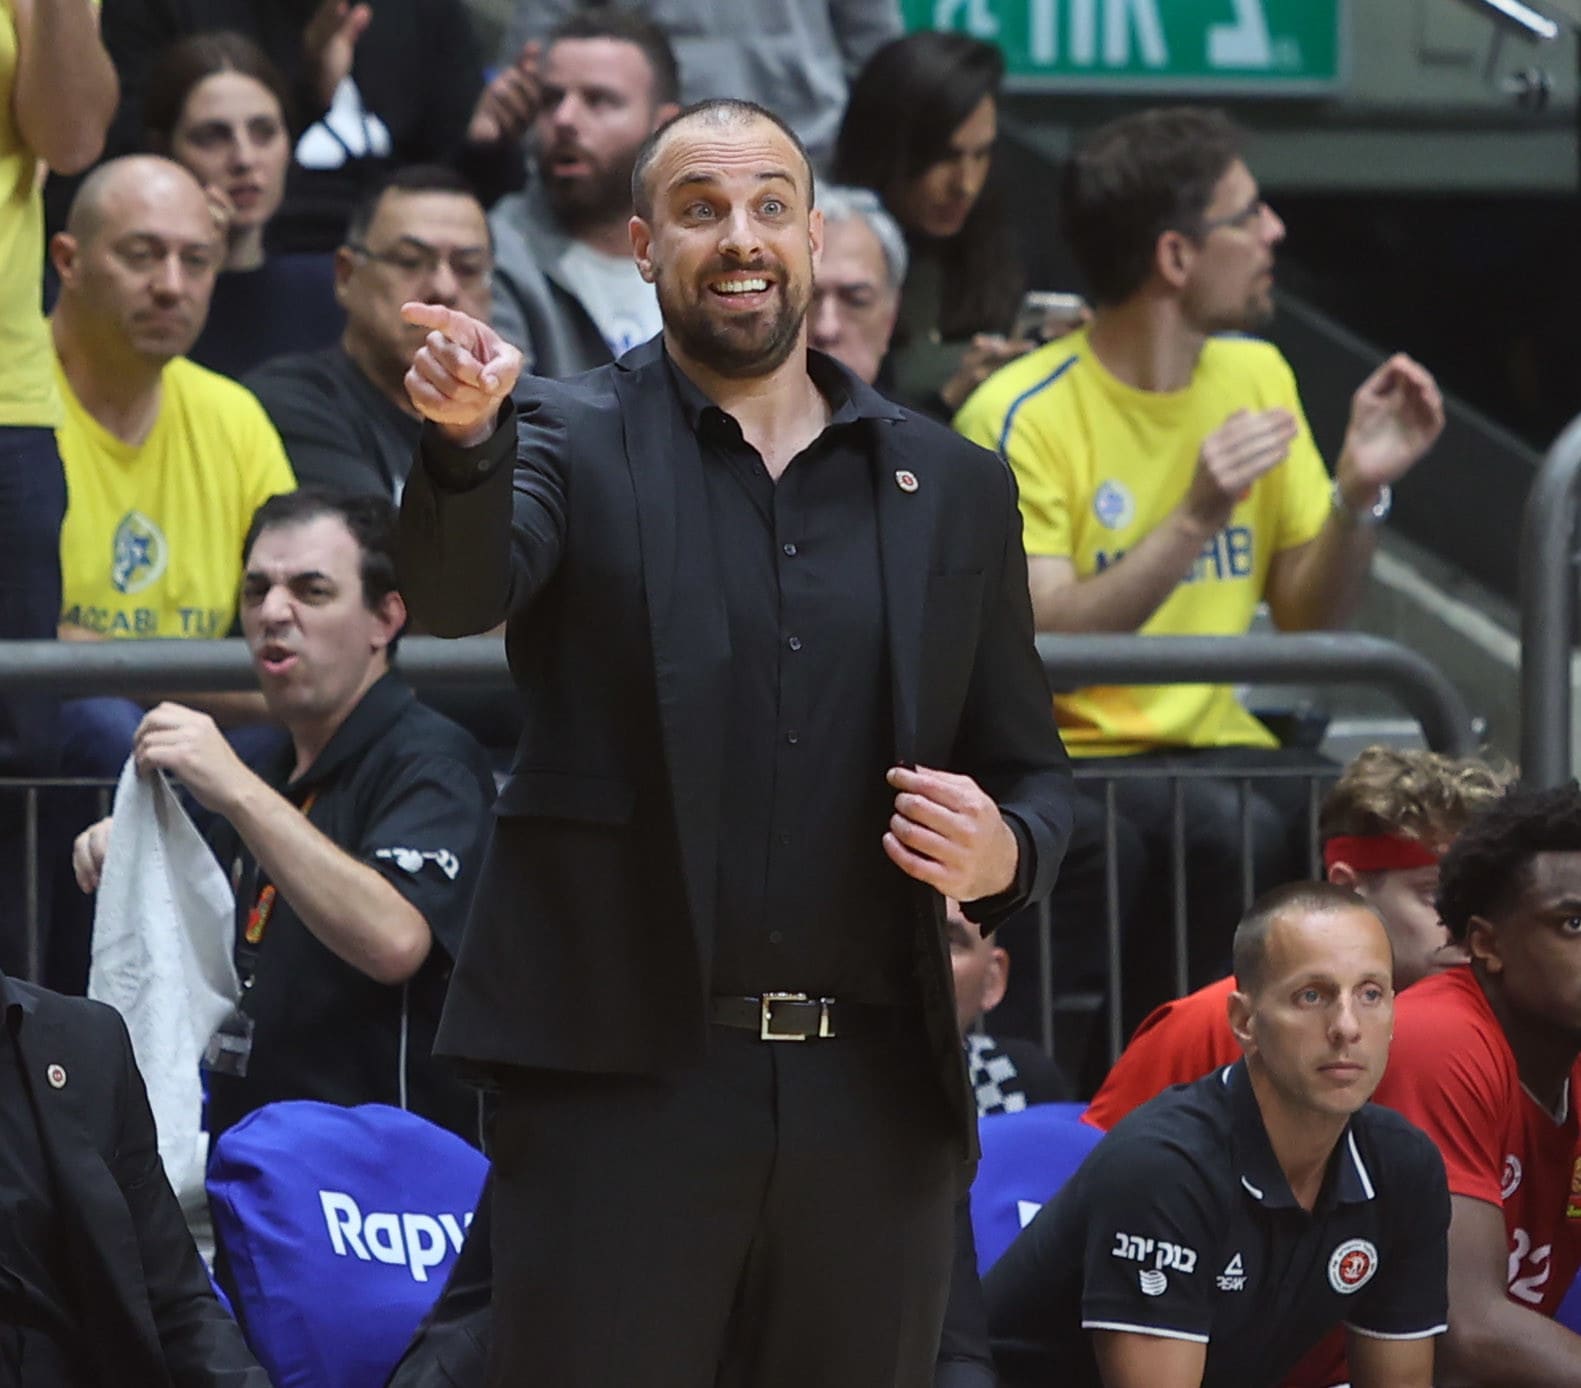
778, 1216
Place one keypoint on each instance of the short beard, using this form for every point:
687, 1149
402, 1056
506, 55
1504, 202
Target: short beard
603, 196
737, 354
1254, 316
1258, 313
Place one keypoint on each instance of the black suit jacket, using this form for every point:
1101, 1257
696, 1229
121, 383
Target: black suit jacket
589, 944
145, 1308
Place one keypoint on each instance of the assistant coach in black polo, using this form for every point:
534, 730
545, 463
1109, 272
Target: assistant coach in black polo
1224, 1228
773, 639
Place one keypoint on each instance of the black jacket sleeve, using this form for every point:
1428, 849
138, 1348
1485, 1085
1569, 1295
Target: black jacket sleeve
477, 537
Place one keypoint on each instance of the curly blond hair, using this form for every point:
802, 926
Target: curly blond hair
1414, 794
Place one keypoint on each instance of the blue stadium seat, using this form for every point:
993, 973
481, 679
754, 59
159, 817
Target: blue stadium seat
1027, 1156
335, 1229
1569, 1312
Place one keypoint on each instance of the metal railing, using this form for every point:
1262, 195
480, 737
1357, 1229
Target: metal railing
1548, 611
143, 668
133, 668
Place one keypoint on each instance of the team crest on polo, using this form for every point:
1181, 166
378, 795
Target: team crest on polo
1113, 505
1351, 1266
1573, 1205
1510, 1181
139, 553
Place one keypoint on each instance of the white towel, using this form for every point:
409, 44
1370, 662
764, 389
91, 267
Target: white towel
162, 957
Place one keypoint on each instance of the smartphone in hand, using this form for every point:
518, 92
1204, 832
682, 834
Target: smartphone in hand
1046, 314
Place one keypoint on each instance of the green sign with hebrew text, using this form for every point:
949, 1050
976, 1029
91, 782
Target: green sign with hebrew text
1260, 47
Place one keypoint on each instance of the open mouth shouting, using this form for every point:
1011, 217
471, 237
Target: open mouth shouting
275, 658
569, 162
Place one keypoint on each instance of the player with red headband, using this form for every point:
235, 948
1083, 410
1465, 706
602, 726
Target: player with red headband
1484, 1061
1383, 827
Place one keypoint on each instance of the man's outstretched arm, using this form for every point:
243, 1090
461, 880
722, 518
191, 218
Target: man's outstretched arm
474, 531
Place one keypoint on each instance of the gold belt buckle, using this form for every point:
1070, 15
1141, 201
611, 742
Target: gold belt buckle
766, 1030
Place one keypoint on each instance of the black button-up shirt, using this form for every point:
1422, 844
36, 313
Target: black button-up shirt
36, 1321
1181, 1224
808, 900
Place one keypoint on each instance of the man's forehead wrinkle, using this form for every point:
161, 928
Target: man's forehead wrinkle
711, 161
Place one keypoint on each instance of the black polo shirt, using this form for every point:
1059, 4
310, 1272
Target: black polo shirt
407, 792
1181, 1224
808, 900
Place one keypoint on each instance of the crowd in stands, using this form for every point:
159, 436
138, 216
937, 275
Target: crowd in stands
226, 207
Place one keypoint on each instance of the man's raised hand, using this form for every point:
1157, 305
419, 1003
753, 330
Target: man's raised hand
461, 373
1243, 448
511, 101
1396, 415
188, 744
329, 43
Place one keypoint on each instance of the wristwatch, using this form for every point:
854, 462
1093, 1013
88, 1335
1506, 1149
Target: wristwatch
1367, 516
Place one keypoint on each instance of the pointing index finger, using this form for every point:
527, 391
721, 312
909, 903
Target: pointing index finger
449, 321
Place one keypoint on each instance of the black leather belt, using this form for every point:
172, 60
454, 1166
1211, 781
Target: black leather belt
798, 1017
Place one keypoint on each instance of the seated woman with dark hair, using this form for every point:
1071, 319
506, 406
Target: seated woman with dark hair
216, 104
919, 131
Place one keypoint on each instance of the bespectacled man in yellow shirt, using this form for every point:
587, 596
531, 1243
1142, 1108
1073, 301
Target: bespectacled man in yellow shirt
1169, 484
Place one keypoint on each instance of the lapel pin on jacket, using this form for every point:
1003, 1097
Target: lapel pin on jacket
56, 1075
906, 481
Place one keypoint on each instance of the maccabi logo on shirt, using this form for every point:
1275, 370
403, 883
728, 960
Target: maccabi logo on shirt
138, 553
1113, 505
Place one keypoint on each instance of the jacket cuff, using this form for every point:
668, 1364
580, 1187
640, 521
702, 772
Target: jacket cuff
453, 468
989, 910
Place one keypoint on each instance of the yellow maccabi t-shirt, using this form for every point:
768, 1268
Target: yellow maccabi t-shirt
152, 544
1100, 464
27, 374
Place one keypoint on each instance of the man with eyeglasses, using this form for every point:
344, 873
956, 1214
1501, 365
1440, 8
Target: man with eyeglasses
342, 411
1169, 484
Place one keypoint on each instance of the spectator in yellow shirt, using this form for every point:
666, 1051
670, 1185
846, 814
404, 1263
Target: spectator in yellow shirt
57, 94
165, 461
1169, 484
